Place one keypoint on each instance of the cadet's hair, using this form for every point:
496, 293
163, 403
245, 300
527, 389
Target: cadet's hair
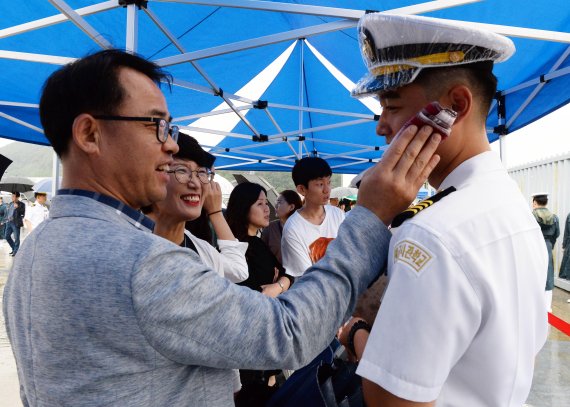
541, 200
478, 76
242, 198
308, 169
88, 85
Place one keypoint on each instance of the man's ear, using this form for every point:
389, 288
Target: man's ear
86, 133
461, 100
301, 189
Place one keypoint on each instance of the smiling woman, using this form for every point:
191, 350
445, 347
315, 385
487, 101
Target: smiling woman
190, 188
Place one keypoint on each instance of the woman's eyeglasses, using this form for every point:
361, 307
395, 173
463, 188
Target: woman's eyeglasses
184, 175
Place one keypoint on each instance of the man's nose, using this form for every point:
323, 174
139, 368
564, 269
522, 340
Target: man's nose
170, 146
382, 128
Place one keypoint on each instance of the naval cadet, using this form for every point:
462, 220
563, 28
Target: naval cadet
37, 212
463, 315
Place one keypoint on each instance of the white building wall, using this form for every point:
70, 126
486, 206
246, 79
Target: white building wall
552, 176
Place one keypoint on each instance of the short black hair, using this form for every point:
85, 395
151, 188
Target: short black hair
478, 76
308, 169
16, 193
243, 196
88, 85
541, 200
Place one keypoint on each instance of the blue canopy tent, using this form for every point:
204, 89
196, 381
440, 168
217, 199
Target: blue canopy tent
262, 83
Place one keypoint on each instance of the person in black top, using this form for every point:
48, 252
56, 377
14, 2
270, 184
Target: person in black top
247, 213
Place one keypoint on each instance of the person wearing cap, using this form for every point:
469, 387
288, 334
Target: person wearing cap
100, 311
550, 228
462, 318
36, 212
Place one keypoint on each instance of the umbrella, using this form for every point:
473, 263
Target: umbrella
4, 164
16, 184
45, 185
341, 192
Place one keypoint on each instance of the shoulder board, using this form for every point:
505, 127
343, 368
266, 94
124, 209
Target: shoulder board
420, 206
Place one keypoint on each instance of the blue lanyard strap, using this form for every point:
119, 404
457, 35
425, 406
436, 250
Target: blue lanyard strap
138, 218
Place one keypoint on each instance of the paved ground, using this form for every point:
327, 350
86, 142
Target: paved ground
550, 384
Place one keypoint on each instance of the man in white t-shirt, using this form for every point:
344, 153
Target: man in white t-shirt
37, 212
463, 317
300, 244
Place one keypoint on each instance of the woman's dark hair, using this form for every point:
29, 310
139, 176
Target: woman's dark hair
242, 198
292, 198
88, 85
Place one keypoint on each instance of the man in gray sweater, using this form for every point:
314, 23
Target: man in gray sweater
100, 311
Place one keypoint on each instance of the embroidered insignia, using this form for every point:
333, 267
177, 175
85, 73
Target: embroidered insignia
412, 254
420, 206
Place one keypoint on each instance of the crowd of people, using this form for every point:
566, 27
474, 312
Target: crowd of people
119, 298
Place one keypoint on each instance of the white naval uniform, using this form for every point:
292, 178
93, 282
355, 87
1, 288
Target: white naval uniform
463, 315
36, 214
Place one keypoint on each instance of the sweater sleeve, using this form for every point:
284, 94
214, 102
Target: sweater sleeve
192, 316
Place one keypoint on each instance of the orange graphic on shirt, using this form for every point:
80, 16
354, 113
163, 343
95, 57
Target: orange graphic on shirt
318, 248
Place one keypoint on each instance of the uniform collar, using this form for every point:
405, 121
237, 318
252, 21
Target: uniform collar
479, 165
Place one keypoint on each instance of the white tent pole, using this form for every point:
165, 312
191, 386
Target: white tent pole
320, 10
547, 77
208, 114
193, 86
59, 18
131, 45
19, 104
301, 86
42, 58
217, 90
80, 23
503, 148
529, 99
324, 111
55, 174
21, 122
256, 42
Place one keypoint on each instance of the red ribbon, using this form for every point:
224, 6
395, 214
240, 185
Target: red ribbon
559, 324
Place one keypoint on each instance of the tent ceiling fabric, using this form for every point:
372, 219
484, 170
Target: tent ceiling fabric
217, 52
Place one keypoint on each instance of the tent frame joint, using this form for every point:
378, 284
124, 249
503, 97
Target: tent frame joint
262, 138
139, 3
260, 104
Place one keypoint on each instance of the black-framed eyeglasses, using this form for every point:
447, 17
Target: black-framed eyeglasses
163, 127
184, 175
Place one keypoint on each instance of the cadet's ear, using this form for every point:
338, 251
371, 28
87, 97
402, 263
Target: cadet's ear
86, 133
461, 100
301, 189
